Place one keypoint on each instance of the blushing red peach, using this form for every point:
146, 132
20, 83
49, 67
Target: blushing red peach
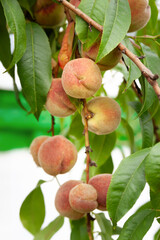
58, 103
81, 78
57, 155
140, 14
106, 114
34, 147
48, 13
62, 200
83, 198
101, 183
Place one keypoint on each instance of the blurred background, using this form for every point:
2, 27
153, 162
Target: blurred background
19, 174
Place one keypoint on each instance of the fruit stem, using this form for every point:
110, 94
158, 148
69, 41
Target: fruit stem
150, 77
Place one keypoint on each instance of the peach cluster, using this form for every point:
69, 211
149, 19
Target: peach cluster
74, 198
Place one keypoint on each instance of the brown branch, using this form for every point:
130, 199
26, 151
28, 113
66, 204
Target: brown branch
151, 78
87, 115
52, 125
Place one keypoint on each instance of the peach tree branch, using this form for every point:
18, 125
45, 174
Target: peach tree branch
150, 77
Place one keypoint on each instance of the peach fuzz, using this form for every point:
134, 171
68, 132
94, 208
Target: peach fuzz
58, 103
81, 78
62, 200
140, 14
83, 198
57, 155
106, 63
48, 13
106, 115
101, 183
34, 147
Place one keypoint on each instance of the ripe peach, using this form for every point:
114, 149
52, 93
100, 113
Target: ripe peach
62, 200
34, 147
81, 78
48, 13
83, 198
101, 183
57, 155
106, 115
140, 14
106, 63
58, 103
76, 4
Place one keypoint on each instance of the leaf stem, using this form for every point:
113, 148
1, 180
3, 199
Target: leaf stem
150, 77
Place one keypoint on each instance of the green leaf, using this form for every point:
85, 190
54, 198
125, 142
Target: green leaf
137, 225
95, 9
155, 201
126, 185
50, 230
32, 211
105, 226
116, 25
16, 22
130, 133
106, 167
5, 54
146, 125
27, 4
34, 69
134, 71
152, 168
78, 230
157, 235
102, 145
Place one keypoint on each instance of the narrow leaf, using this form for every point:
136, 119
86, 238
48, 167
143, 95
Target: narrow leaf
105, 226
137, 225
130, 133
126, 185
34, 69
146, 125
152, 168
32, 211
16, 22
95, 9
157, 235
116, 25
78, 230
102, 145
50, 230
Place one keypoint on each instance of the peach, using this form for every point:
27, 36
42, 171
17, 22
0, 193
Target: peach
34, 147
81, 78
140, 14
106, 63
101, 183
48, 13
57, 155
62, 200
58, 103
76, 4
83, 198
106, 115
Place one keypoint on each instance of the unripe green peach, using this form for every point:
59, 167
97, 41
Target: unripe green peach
58, 103
106, 115
48, 13
81, 78
57, 155
106, 63
34, 147
62, 201
83, 198
140, 14
101, 183
76, 4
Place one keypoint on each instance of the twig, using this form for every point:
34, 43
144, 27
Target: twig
151, 78
52, 126
87, 115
